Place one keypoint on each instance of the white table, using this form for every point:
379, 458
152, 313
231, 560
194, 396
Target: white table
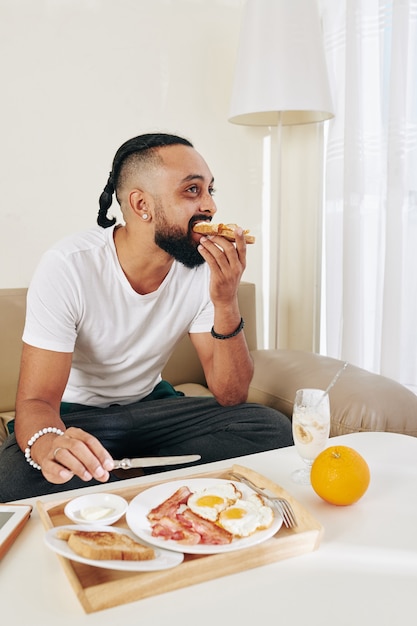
364, 572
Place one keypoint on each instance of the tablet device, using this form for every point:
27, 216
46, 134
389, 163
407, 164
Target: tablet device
12, 519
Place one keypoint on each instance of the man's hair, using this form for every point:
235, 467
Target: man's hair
144, 147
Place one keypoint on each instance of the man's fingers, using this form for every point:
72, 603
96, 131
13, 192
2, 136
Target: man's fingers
83, 455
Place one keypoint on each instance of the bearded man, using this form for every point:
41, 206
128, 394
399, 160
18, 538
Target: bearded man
105, 310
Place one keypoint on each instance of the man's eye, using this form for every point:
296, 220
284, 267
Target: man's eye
195, 189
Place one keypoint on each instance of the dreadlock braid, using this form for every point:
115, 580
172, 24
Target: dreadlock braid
105, 201
143, 144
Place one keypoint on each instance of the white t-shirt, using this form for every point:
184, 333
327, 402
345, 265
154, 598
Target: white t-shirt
80, 301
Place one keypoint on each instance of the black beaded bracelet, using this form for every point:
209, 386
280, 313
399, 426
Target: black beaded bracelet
236, 332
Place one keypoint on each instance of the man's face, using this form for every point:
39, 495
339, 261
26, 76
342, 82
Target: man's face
184, 197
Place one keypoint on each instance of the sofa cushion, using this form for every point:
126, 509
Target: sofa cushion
360, 400
193, 390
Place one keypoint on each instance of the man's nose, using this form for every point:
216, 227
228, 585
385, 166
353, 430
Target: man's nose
208, 205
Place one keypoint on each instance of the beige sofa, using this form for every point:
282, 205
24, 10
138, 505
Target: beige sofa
360, 401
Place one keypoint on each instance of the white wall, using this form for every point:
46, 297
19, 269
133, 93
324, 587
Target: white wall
79, 77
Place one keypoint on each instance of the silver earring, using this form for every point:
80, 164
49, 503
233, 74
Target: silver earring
145, 216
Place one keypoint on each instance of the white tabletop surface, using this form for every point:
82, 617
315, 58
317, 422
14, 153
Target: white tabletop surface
364, 572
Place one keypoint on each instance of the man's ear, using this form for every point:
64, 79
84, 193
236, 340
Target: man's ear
141, 203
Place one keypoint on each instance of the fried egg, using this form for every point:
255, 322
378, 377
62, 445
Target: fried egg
245, 517
209, 502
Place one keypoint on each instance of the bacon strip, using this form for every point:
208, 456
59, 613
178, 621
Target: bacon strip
169, 528
168, 508
209, 532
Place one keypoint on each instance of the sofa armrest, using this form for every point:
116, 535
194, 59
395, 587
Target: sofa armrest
360, 400
5, 418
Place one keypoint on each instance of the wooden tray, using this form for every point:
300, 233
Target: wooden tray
99, 588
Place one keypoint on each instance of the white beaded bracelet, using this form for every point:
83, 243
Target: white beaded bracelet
35, 437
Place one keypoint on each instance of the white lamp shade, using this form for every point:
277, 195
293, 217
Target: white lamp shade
281, 72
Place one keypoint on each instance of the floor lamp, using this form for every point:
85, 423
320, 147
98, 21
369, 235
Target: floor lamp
280, 79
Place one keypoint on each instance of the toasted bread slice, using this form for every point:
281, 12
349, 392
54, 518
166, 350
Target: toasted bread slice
101, 545
224, 230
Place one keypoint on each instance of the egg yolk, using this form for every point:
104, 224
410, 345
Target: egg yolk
234, 513
209, 500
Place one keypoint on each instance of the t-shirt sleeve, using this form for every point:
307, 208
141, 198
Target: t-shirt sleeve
52, 306
203, 321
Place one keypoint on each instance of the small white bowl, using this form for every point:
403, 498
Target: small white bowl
96, 508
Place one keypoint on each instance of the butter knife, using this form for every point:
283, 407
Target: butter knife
154, 461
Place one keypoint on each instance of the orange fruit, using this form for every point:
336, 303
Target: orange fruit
340, 475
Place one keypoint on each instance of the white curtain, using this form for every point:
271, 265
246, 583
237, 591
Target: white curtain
371, 186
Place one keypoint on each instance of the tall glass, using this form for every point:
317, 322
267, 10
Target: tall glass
310, 428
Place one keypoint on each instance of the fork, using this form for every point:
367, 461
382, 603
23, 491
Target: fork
281, 504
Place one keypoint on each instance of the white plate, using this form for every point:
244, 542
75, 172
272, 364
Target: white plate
116, 504
139, 507
164, 559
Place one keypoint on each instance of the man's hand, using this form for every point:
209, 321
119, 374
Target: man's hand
227, 263
75, 453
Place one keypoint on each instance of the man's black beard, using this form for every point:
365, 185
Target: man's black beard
178, 245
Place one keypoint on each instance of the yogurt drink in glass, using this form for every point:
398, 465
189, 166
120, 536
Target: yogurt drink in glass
310, 428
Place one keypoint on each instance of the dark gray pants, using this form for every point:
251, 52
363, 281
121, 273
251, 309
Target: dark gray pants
176, 425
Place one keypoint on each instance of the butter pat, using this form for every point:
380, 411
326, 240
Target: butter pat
92, 513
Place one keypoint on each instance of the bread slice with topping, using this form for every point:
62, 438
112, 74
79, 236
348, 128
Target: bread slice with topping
224, 230
101, 545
